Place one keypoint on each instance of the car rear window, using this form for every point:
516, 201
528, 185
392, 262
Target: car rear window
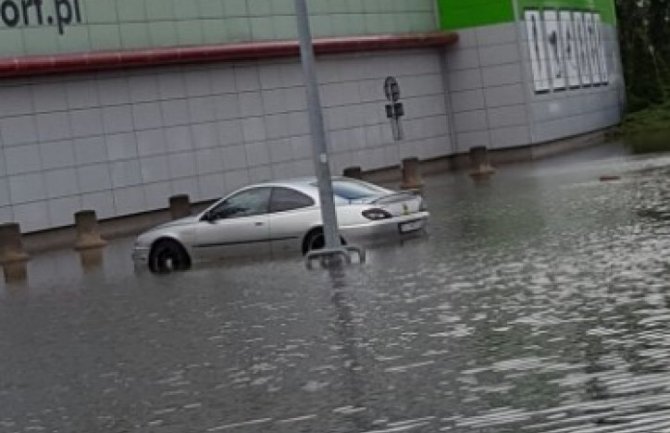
350, 191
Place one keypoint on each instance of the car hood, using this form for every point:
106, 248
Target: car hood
176, 223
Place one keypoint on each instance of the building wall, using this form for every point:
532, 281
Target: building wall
122, 143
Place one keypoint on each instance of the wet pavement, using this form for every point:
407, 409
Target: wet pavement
538, 302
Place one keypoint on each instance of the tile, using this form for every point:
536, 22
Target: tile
274, 101
236, 179
117, 119
178, 139
198, 83
155, 169
211, 186
247, 78
129, 200
205, 135
500, 54
230, 132
222, 80
513, 115
467, 140
157, 195
182, 165
121, 146
15, 101
465, 80
151, 142
104, 36
23, 159
251, 104
33, 216
260, 173
257, 154
186, 185
462, 58
227, 106
202, 109
113, 91
81, 94
253, 129
4, 193
49, 96
86, 122
496, 34
25, 188
92, 178
502, 75
175, 112
467, 100
510, 137
57, 154
143, 88
90, 150
18, 130
62, 182
171, 85
101, 202
504, 95
125, 173
53, 126
277, 126
234, 157
208, 161
147, 115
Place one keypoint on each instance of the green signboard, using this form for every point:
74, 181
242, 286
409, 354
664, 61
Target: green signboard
460, 14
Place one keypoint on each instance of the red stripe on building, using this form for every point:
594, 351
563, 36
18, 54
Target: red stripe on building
109, 60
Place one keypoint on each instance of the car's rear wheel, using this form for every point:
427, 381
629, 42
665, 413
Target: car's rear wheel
168, 256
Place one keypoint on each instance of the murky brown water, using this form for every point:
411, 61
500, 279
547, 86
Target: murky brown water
539, 303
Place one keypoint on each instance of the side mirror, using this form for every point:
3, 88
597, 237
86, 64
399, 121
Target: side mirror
209, 217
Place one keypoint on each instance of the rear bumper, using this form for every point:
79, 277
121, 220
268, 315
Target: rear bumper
384, 229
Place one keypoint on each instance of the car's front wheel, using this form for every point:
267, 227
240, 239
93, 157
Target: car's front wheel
168, 256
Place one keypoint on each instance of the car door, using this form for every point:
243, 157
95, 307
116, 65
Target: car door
236, 227
292, 213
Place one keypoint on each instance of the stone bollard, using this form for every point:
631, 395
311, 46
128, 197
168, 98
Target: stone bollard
411, 174
479, 160
91, 258
12, 257
180, 206
88, 236
11, 247
353, 172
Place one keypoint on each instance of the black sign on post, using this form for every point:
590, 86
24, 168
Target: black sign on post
395, 110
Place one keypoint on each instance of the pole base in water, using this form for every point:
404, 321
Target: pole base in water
334, 258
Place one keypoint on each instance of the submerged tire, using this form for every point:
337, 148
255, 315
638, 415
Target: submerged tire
168, 256
315, 240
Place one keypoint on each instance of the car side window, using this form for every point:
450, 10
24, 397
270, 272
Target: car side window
247, 203
286, 199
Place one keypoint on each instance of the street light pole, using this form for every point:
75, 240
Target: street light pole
320, 150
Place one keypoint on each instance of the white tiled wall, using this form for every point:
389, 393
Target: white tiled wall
122, 143
493, 103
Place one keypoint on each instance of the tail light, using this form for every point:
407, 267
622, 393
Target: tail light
376, 214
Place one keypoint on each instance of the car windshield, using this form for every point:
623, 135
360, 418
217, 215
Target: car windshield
352, 191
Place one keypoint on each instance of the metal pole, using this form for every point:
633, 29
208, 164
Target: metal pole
320, 151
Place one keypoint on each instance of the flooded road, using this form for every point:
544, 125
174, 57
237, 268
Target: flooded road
539, 302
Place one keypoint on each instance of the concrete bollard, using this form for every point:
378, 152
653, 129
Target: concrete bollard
11, 246
479, 160
88, 236
353, 172
12, 256
411, 174
180, 206
91, 258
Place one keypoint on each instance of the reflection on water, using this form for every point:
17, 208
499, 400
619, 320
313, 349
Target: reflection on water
538, 303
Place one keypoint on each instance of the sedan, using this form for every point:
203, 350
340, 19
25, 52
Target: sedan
277, 217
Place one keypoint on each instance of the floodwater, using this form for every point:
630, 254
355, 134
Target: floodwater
539, 302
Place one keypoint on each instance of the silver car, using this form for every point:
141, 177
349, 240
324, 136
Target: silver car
278, 217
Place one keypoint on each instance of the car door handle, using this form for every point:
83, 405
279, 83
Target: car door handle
259, 224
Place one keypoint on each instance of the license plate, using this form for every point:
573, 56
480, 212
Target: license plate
411, 226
